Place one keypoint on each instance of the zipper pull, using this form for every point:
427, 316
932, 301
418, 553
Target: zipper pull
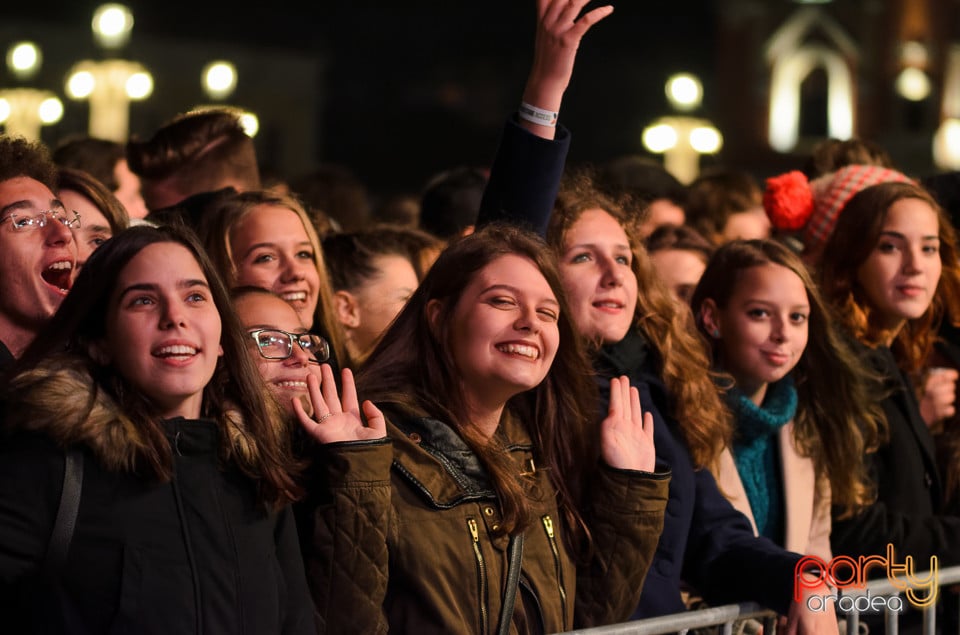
472, 524
548, 525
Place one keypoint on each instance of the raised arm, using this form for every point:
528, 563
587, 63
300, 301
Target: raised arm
347, 562
525, 175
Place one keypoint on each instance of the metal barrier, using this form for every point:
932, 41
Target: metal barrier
725, 616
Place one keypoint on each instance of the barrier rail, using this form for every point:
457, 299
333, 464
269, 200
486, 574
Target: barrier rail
725, 616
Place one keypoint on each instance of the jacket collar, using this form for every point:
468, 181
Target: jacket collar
438, 462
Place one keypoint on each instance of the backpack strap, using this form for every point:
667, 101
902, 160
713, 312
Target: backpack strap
66, 519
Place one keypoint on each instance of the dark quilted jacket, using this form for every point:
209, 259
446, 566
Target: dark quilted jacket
407, 542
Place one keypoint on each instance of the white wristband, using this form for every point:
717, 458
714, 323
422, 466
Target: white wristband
538, 116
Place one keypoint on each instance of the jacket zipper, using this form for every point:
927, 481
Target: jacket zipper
481, 574
551, 538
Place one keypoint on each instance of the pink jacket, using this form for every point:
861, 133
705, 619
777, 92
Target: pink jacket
806, 498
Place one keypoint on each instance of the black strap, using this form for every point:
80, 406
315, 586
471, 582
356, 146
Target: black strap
515, 559
66, 519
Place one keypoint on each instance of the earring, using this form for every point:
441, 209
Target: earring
715, 333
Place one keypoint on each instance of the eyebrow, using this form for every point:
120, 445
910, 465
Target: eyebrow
150, 286
273, 246
515, 291
24, 204
767, 303
902, 237
274, 327
98, 228
625, 246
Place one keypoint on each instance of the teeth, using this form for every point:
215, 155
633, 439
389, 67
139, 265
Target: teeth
176, 350
295, 296
64, 265
519, 349
292, 384
611, 305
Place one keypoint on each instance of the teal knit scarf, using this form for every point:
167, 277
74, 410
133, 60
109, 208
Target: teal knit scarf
753, 453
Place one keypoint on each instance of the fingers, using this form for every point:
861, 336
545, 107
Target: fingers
316, 398
349, 389
305, 420
636, 413
566, 11
563, 14
375, 418
648, 426
615, 407
329, 389
587, 20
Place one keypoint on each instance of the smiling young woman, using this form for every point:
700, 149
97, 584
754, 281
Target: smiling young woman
791, 458
482, 390
144, 374
258, 238
891, 271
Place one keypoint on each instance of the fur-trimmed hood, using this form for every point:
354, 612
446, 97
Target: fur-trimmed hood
62, 401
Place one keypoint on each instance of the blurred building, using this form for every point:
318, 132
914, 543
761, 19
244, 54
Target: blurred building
284, 88
794, 73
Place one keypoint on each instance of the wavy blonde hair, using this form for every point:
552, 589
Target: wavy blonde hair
216, 227
682, 360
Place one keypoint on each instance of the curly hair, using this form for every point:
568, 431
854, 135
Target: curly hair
837, 420
682, 358
853, 240
19, 157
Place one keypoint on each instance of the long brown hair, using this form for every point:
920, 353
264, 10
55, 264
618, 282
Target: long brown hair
853, 240
216, 227
412, 366
668, 327
837, 420
234, 397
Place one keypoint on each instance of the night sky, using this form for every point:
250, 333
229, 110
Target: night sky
418, 86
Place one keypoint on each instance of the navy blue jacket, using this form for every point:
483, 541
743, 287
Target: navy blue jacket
705, 542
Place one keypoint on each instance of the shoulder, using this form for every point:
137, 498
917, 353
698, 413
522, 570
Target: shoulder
61, 401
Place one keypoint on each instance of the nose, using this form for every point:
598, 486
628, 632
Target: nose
293, 270
778, 331
299, 358
527, 320
913, 259
172, 315
611, 273
56, 233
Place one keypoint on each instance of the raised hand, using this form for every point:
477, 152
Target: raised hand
939, 395
335, 419
555, 49
626, 435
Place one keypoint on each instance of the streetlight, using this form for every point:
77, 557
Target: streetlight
681, 139
111, 84
219, 79
24, 111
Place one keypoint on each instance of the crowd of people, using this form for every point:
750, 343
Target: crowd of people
541, 397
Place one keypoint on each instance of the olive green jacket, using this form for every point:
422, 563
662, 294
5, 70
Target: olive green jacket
409, 543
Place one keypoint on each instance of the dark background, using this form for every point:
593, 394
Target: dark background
410, 87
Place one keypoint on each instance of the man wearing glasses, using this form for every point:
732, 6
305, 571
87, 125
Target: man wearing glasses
37, 250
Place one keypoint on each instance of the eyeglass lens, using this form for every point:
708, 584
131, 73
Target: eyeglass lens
279, 345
